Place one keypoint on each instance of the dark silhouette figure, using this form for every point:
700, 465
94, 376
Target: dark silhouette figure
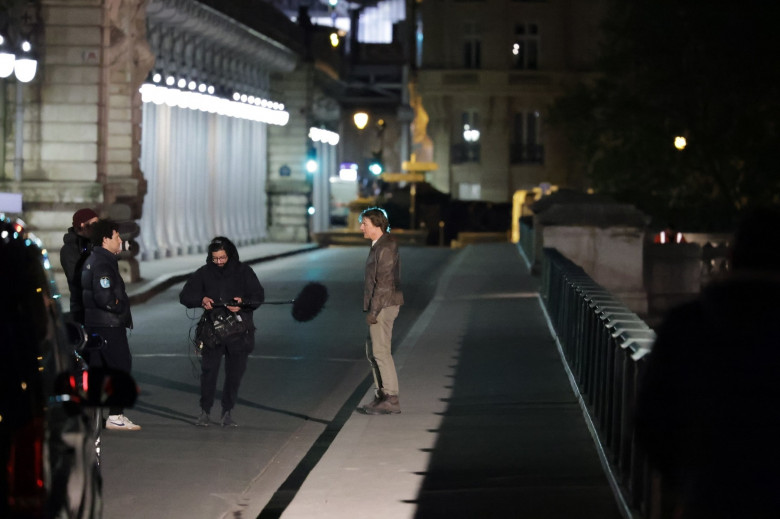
708, 410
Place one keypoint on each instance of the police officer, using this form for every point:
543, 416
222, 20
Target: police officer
107, 308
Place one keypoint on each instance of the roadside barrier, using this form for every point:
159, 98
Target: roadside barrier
604, 344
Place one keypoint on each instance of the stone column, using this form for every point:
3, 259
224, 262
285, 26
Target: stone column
289, 188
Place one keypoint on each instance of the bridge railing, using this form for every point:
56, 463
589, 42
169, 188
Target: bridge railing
604, 344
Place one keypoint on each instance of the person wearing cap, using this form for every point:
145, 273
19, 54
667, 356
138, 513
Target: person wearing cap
75, 250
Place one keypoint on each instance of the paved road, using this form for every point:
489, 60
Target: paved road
299, 377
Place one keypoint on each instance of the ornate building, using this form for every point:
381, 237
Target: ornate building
78, 140
487, 72
182, 119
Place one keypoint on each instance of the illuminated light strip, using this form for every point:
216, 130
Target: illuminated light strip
215, 105
325, 136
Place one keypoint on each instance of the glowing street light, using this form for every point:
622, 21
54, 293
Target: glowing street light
470, 134
361, 120
680, 142
7, 59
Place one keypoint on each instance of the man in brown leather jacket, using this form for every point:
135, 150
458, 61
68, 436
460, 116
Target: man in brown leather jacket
382, 299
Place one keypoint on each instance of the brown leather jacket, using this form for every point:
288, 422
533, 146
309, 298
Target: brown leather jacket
382, 286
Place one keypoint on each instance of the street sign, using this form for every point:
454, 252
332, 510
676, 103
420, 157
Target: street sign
403, 177
419, 166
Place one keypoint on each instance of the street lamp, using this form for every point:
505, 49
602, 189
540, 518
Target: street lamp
470, 134
24, 67
361, 120
680, 142
7, 59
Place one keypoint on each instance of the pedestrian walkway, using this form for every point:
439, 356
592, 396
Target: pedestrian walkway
490, 425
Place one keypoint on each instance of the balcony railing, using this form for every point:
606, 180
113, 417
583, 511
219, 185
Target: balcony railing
526, 154
465, 152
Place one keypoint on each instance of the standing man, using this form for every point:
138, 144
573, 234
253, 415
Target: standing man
382, 299
107, 307
75, 250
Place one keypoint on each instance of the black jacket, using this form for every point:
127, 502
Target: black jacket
74, 252
222, 284
105, 300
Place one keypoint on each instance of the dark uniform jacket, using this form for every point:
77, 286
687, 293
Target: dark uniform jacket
222, 284
74, 252
382, 286
106, 303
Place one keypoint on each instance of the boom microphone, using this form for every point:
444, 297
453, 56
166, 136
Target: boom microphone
305, 307
309, 302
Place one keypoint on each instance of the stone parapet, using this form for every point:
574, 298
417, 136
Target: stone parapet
673, 274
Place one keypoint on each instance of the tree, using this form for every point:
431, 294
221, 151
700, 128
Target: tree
702, 70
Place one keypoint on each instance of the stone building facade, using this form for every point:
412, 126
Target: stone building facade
92, 140
81, 123
495, 67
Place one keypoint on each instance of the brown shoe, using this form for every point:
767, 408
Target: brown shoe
378, 397
388, 405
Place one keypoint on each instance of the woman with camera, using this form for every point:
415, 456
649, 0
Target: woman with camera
229, 292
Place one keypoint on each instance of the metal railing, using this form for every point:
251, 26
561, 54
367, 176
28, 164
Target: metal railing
604, 344
526, 153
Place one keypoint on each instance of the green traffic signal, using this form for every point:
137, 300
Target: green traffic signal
375, 167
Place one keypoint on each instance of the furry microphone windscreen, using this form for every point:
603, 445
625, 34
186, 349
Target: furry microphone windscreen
309, 302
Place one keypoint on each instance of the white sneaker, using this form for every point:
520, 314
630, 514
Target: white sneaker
120, 422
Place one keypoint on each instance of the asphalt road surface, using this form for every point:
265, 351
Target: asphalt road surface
300, 376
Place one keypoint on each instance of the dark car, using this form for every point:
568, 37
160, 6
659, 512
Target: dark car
49, 397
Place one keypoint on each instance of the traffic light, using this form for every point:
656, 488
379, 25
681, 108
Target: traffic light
375, 166
312, 165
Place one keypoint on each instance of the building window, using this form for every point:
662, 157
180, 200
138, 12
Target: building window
469, 191
526, 146
472, 46
525, 49
467, 139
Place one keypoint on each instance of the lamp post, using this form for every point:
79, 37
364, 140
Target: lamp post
24, 67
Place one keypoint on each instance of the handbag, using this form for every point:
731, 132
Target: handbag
218, 326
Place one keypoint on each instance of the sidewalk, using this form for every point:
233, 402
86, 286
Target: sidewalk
490, 426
